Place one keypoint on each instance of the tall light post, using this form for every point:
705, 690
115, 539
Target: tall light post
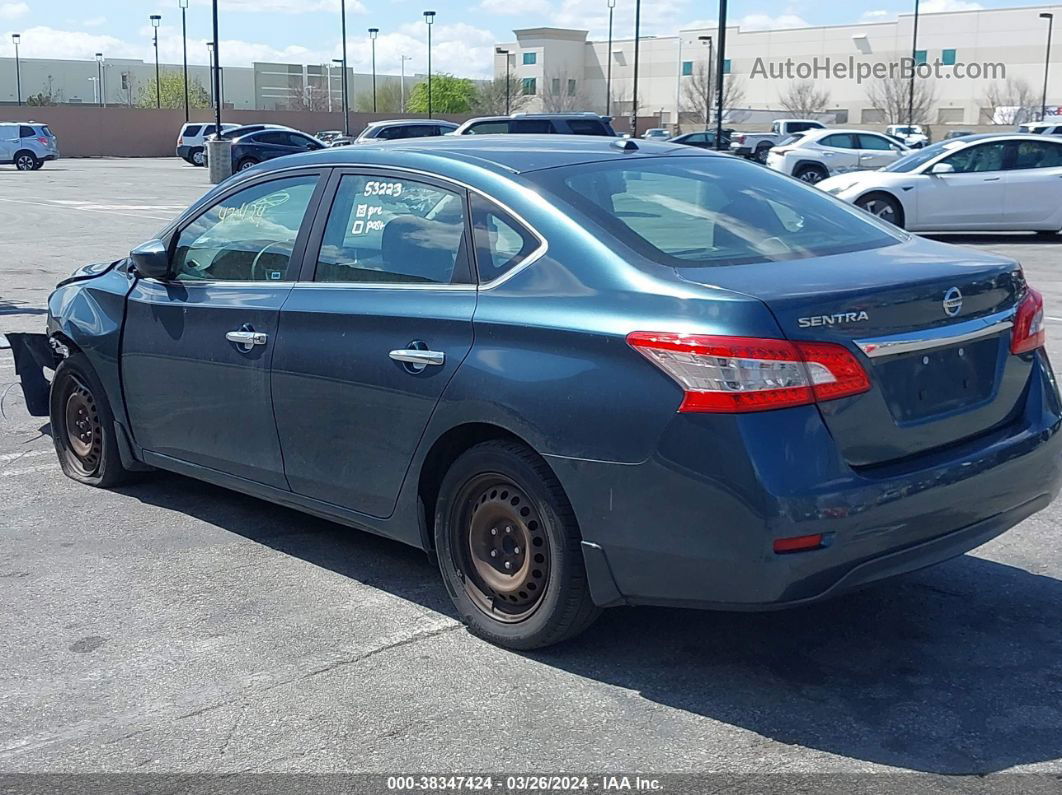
1047, 60
508, 100
216, 50
720, 68
343, 33
429, 20
183, 4
155, 20
707, 84
339, 62
403, 59
634, 92
373, 33
608, 78
914, 65
99, 76
15, 39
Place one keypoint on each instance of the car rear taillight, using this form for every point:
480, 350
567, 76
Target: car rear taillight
799, 543
739, 374
180, 140
1029, 333
739, 138
43, 140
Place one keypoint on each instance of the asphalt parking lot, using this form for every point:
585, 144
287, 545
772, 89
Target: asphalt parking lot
174, 626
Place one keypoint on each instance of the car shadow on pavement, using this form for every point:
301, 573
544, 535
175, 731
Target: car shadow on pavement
955, 670
992, 238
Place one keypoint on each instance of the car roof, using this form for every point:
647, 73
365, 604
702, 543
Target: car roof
537, 116
511, 154
399, 122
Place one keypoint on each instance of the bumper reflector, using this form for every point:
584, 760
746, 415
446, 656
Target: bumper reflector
798, 543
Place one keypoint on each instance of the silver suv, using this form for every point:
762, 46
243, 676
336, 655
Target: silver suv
396, 129
27, 144
191, 146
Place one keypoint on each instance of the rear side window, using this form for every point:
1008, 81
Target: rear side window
1038, 154
488, 128
191, 130
839, 141
874, 142
587, 127
390, 230
502, 243
25, 131
532, 126
694, 212
801, 126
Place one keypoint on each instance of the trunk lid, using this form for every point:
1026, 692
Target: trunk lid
928, 321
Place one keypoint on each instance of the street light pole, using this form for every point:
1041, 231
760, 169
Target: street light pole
634, 92
707, 84
404, 58
210, 51
720, 68
1047, 60
373, 33
343, 33
343, 66
183, 4
15, 39
99, 74
429, 20
155, 20
217, 73
914, 65
508, 101
608, 78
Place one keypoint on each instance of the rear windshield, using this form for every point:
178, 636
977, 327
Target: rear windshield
698, 211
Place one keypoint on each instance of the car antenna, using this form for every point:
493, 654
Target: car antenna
624, 145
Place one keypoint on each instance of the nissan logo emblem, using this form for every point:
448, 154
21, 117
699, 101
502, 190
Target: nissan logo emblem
952, 302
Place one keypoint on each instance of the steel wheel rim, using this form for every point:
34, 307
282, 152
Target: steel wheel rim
246, 165
25, 163
84, 437
198, 158
499, 524
881, 209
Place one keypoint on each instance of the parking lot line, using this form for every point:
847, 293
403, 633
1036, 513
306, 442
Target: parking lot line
13, 473
27, 454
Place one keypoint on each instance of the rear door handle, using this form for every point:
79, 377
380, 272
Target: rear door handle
247, 338
419, 358
991, 179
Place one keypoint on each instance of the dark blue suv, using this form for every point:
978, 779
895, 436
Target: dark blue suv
257, 146
580, 372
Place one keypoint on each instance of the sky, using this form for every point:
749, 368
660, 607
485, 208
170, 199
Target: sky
465, 32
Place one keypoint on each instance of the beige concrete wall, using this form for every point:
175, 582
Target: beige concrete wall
132, 132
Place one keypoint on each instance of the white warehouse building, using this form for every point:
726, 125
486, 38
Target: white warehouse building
982, 61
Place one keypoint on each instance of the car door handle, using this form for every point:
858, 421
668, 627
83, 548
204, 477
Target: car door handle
247, 338
416, 357
991, 179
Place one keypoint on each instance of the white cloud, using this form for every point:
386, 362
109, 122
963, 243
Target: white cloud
13, 10
287, 6
94, 22
592, 15
876, 15
768, 22
937, 6
515, 7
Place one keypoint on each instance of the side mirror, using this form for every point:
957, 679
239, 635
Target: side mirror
152, 259
942, 168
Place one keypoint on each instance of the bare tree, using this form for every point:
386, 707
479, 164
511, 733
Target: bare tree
1013, 102
562, 94
802, 99
490, 97
700, 89
309, 97
892, 96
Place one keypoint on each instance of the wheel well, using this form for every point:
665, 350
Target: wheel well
446, 449
892, 197
809, 164
23, 152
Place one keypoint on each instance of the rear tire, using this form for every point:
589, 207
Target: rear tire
882, 206
761, 153
811, 174
26, 161
83, 426
246, 163
198, 158
39, 166
509, 548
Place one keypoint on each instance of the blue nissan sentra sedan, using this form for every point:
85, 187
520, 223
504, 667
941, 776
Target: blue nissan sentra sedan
580, 372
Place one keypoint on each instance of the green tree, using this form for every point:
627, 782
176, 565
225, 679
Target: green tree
449, 94
172, 92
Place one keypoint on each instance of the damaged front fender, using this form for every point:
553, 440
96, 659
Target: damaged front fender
33, 353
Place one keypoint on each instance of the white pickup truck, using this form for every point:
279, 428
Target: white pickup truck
755, 146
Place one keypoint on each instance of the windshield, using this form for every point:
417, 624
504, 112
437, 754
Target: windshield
908, 130
697, 211
921, 156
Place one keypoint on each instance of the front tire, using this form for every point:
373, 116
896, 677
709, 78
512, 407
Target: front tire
83, 426
509, 548
881, 206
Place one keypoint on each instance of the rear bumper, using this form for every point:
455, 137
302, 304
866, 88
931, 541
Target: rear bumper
185, 152
694, 525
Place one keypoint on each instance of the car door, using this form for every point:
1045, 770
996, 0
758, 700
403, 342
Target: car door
372, 335
272, 143
876, 151
970, 196
839, 152
8, 142
1032, 196
197, 348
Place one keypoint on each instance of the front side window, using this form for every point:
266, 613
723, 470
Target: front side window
839, 141
696, 212
975, 159
249, 236
502, 243
532, 126
391, 230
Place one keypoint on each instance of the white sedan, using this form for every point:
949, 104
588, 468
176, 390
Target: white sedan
981, 182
